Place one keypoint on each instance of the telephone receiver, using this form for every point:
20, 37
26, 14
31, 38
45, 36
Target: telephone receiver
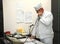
31, 25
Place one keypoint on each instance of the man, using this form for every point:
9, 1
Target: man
43, 26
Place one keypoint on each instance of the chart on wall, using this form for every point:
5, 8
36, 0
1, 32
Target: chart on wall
23, 15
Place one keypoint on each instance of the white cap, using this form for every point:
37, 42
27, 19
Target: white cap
38, 6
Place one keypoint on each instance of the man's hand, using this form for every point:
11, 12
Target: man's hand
40, 13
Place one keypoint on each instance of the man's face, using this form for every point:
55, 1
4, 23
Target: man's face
40, 11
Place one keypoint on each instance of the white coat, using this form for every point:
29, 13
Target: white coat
44, 28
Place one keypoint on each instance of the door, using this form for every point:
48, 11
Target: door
56, 14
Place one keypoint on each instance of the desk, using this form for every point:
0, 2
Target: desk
21, 41
15, 41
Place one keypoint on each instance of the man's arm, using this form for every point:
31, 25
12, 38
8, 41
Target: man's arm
33, 32
47, 19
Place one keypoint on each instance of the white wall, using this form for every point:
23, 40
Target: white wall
9, 12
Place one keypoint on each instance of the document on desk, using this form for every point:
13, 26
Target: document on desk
26, 40
32, 41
